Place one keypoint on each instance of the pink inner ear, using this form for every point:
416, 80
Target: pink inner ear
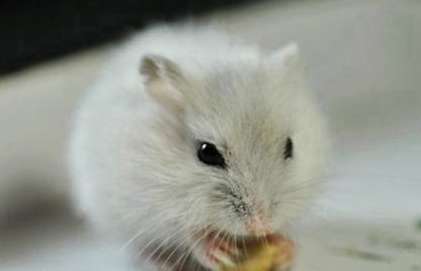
161, 79
155, 67
149, 68
165, 95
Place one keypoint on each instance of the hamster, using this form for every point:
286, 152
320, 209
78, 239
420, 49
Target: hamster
190, 134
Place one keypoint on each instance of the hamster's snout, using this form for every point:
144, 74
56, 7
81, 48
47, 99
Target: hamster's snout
258, 226
250, 211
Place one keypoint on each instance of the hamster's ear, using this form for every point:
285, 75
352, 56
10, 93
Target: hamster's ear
286, 62
163, 80
288, 55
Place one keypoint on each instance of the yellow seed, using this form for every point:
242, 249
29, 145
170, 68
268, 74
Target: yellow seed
264, 258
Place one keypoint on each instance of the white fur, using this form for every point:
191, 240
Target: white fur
133, 154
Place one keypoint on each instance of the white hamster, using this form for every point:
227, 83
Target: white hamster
189, 133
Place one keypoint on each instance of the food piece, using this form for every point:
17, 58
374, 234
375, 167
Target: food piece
275, 254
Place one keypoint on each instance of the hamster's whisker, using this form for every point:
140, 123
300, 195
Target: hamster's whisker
192, 214
174, 250
132, 239
222, 239
183, 258
152, 225
163, 242
232, 241
151, 242
140, 233
234, 236
140, 253
182, 243
304, 185
243, 241
215, 238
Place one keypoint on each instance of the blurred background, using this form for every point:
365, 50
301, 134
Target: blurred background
364, 62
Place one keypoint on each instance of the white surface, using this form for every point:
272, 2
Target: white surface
364, 61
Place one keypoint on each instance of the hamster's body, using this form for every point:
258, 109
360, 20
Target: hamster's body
138, 153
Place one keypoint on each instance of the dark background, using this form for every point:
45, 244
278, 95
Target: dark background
33, 31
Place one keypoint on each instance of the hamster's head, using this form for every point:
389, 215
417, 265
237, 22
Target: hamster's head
241, 149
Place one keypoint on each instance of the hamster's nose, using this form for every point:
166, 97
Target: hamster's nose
258, 226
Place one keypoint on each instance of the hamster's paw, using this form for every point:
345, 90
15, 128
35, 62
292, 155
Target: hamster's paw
214, 251
274, 253
271, 253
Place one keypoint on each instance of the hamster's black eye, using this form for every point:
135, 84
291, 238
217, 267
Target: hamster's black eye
288, 149
209, 154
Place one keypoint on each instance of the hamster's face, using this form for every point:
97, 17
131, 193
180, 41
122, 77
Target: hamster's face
261, 154
250, 148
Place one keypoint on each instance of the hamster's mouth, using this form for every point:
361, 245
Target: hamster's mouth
214, 248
